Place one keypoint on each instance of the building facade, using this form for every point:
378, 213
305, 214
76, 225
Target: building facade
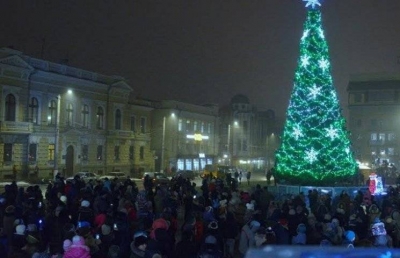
59, 118
184, 136
249, 137
374, 119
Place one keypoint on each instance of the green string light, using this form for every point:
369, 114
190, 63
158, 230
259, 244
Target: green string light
315, 148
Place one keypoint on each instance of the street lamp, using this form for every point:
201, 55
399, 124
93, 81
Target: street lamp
163, 141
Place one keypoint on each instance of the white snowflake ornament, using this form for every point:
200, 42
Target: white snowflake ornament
314, 91
305, 60
311, 155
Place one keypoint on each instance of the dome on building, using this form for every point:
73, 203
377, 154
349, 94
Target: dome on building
240, 99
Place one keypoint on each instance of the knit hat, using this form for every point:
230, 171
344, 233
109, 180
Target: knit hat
210, 240
20, 230
301, 228
10, 209
78, 240
66, 244
63, 198
140, 240
105, 230
250, 206
254, 224
31, 228
350, 235
85, 203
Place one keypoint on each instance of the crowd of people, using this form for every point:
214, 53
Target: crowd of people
112, 218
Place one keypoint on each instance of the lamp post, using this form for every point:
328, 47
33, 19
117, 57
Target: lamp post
163, 146
56, 137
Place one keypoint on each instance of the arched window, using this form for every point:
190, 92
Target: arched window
85, 116
10, 108
118, 119
34, 110
70, 112
100, 118
52, 112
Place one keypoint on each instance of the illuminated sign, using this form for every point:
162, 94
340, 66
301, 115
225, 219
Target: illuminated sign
197, 137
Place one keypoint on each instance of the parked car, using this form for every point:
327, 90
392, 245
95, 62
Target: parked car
121, 176
85, 176
157, 177
189, 174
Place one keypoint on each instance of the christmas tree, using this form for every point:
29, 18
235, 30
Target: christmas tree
315, 147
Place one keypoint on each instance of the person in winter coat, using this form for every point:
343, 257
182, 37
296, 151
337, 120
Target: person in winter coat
138, 246
300, 238
247, 236
229, 231
78, 249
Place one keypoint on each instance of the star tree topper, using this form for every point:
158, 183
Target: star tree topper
312, 3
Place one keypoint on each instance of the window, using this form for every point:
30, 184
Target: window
10, 108
195, 126
34, 111
374, 136
99, 155
32, 152
51, 152
52, 112
143, 125
374, 122
382, 137
7, 152
85, 116
180, 125
133, 123
70, 111
391, 151
118, 119
116, 153
188, 125
202, 127
209, 128
85, 152
391, 137
131, 152
100, 118
141, 153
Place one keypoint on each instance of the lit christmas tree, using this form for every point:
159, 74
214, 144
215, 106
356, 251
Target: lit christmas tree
315, 148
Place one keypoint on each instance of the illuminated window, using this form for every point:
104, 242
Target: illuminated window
374, 136
391, 137
70, 112
51, 149
118, 119
10, 108
180, 125
188, 128
34, 110
382, 137
52, 112
99, 152
390, 151
143, 125
195, 126
32, 152
85, 116
202, 127
133, 123
85, 152
7, 152
100, 118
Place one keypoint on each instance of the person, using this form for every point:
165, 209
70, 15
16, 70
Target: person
248, 176
15, 172
240, 177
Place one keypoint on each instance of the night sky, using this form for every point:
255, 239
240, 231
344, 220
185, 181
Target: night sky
204, 51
